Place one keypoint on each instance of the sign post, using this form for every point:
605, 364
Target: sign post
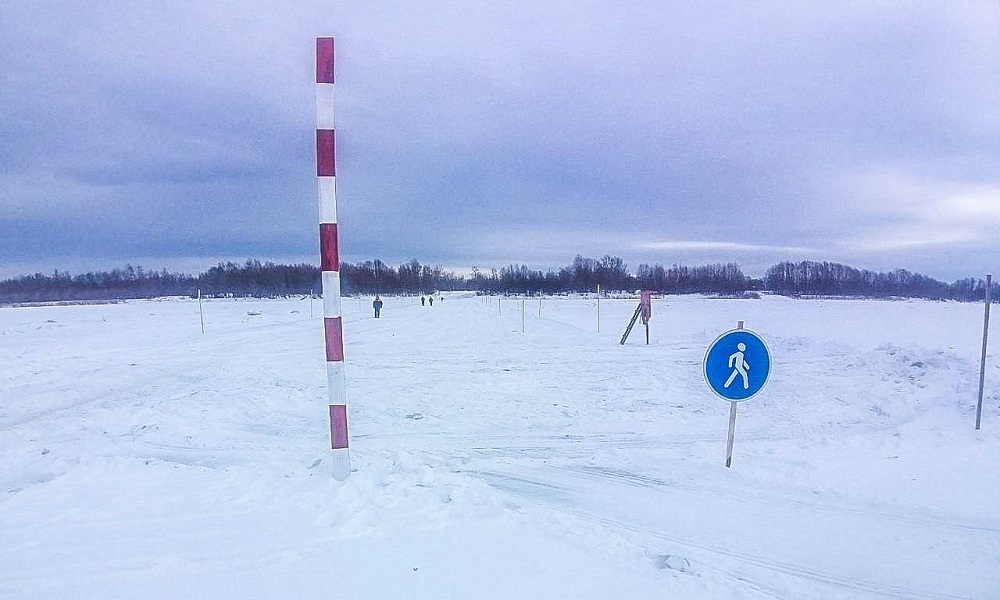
646, 309
737, 365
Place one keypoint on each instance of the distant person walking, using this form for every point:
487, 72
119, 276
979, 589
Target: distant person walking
377, 305
431, 300
422, 299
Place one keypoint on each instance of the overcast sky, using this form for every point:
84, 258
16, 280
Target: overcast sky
177, 134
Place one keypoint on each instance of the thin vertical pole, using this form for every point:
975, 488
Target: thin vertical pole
500, 306
598, 308
333, 325
539, 306
522, 316
201, 313
982, 362
311, 303
731, 439
732, 434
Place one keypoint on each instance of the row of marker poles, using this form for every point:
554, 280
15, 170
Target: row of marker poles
500, 308
486, 300
982, 362
333, 325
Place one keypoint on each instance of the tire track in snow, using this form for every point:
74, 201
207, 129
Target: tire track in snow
660, 485
797, 571
142, 376
573, 498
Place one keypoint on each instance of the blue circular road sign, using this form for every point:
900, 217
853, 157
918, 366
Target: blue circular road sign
737, 365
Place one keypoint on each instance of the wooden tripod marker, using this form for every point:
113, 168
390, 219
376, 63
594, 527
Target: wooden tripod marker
644, 310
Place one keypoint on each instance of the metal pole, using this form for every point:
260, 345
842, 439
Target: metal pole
982, 362
732, 434
522, 316
598, 308
201, 313
731, 440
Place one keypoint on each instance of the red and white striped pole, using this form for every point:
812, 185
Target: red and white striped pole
333, 325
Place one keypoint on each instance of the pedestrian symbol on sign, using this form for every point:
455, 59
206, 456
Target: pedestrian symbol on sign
739, 366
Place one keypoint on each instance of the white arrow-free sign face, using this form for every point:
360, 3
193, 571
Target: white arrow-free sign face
737, 365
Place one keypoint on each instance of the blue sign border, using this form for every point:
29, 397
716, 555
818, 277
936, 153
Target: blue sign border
715, 365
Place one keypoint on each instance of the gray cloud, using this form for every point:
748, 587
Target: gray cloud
486, 133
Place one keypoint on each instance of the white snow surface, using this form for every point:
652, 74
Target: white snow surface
144, 459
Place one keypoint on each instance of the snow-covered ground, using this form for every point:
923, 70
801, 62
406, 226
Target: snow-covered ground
143, 459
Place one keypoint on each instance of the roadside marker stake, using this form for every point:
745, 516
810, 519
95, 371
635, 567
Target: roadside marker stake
598, 308
333, 326
982, 363
201, 312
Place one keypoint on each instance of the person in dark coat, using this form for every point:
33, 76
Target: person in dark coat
377, 305
422, 301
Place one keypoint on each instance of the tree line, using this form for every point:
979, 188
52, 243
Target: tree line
612, 274
252, 279
834, 279
267, 279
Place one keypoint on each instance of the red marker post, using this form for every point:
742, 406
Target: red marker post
333, 325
